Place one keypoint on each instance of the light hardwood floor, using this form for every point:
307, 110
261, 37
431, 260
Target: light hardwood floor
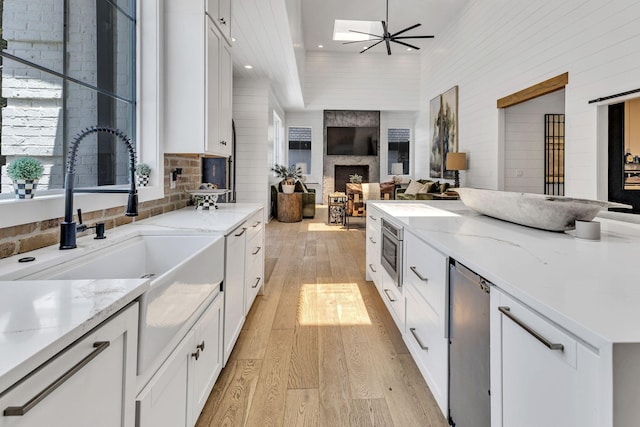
319, 348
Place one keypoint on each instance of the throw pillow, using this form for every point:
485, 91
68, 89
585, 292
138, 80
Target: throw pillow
426, 188
413, 188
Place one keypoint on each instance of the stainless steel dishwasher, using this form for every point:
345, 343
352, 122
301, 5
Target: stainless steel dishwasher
469, 381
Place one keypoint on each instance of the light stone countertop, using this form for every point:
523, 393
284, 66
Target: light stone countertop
38, 318
591, 288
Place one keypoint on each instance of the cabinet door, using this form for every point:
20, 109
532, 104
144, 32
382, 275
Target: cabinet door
214, 43
234, 288
208, 347
226, 99
224, 18
254, 272
541, 386
164, 402
101, 392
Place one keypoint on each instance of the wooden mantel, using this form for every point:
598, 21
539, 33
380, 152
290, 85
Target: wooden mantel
542, 88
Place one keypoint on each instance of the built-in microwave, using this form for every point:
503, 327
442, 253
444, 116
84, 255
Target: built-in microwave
391, 250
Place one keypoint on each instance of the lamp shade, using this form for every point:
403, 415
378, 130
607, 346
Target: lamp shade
397, 169
456, 161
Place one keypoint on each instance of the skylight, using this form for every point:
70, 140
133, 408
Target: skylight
341, 30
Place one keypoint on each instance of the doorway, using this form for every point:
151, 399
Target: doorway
624, 153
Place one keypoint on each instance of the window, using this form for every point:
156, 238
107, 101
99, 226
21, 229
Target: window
300, 148
67, 65
398, 159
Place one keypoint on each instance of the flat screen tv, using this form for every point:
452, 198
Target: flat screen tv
352, 141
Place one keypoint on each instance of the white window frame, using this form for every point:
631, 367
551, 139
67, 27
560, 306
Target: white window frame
279, 151
50, 204
308, 174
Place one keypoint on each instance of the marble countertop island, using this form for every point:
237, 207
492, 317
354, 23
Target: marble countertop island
588, 287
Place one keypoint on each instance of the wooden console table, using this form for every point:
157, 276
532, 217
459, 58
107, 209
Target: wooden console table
289, 207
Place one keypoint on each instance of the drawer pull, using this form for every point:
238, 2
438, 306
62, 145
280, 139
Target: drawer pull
256, 251
372, 269
373, 217
196, 355
415, 271
242, 232
551, 346
257, 281
256, 224
415, 335
372, 241
200, 346
99, 346
386, 291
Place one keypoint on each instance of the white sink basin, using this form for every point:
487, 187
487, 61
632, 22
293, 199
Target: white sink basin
185, 272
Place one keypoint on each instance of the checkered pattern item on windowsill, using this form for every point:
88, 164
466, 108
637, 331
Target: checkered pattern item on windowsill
207, 201
25, 189
143, 180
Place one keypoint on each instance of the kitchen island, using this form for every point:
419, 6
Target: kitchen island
578, 290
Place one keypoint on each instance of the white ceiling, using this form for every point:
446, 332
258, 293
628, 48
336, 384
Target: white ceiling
271, 34
318, 17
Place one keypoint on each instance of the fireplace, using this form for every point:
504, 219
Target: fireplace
342, 173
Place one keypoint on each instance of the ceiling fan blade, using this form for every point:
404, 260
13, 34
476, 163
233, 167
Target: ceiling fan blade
412, 37
385, 30
406, 44
368, 34
362, 41
406, 29
369, 48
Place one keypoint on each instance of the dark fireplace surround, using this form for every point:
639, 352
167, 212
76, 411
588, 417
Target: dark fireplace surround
337, 168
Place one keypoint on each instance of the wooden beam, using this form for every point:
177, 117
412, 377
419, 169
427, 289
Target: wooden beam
542, 88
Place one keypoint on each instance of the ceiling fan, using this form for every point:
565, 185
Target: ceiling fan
388, 37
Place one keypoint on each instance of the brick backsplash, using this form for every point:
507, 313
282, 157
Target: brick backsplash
27, 237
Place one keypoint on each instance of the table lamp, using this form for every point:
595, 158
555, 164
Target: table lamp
397, 169
456, 162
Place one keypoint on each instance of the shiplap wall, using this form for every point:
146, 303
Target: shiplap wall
496, 48
524, 142
370, 81
251, 115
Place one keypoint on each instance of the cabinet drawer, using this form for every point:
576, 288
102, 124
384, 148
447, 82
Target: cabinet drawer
255, 225
393, 298
426, 270
373, 262
90, 383
425, 339
254, 272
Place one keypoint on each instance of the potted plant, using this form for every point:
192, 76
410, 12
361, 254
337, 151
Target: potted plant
25, 173
143, 171
289, 176
355, 178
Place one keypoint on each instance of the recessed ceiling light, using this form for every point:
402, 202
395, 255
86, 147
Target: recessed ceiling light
320, 46
409, 49
248, 67
233, 39
365, 48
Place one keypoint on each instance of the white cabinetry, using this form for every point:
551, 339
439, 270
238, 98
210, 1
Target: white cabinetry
220, 13
234, 285
425, 287
90, 383
177, 393
254, 270
541, 375
197, 89
374, 217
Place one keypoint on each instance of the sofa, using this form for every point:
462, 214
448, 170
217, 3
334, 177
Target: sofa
308, 199
429, 188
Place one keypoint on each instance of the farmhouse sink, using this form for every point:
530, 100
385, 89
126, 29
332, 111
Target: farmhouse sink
185, 272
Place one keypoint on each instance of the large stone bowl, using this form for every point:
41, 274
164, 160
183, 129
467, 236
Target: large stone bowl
553, 213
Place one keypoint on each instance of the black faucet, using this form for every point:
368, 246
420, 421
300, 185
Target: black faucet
68, 228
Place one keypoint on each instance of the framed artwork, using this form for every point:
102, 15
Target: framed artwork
449, 127
214, 171
443, 128
435, 158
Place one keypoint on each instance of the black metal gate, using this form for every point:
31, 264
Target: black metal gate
554, 154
